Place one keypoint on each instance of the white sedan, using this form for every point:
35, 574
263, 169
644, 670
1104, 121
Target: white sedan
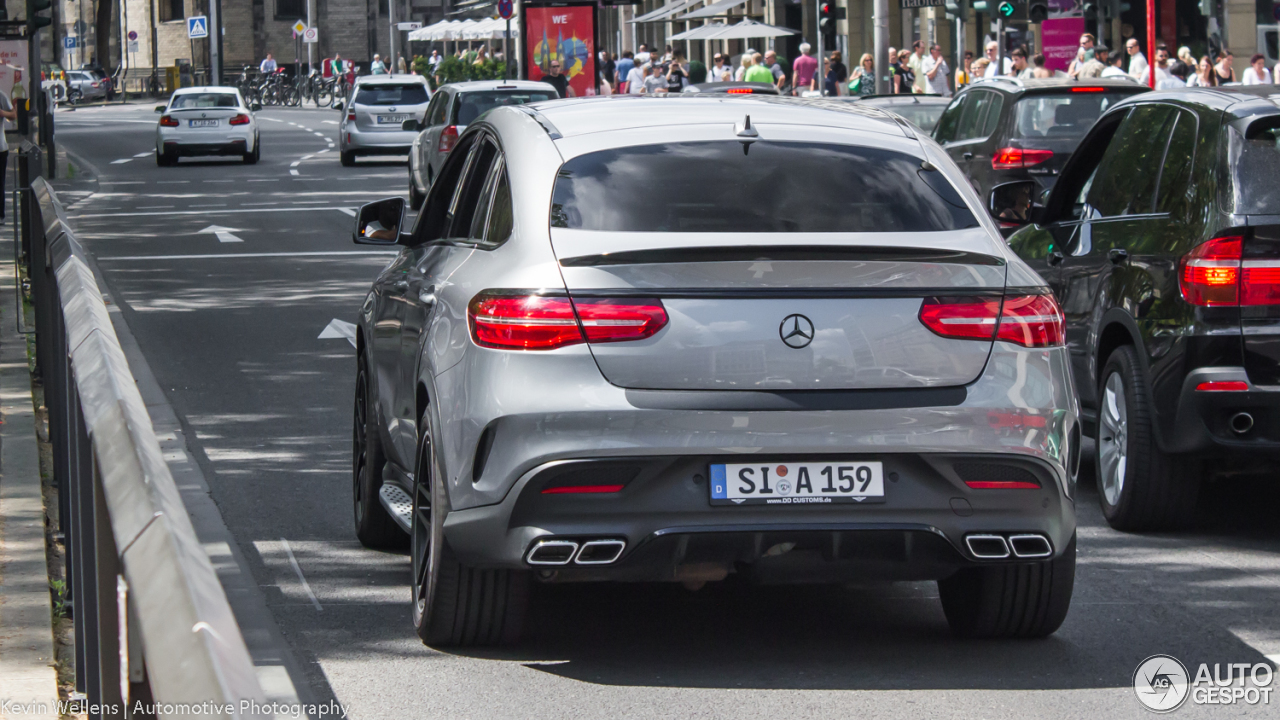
207, 121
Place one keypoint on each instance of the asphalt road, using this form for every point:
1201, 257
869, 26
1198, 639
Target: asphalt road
235, 334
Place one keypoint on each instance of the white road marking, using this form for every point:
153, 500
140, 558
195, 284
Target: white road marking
264, 180
294, 171
273, 119
144, 154
349, 211
262, 203
122, 161
202, 212
294, 561
219, 256
172, 182
150, 207
219, 181
296, 163
223, 233
339, 329
330, 122
326, 149
209, 205
317, 134
125, 182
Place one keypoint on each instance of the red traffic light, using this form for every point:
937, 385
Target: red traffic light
825, 8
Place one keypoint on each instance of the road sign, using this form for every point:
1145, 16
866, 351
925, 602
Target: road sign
506, 8
133, 34
79, 27
197, 27
310, 35
299, 27
1006, 9
69, 42
132, 46
408, 26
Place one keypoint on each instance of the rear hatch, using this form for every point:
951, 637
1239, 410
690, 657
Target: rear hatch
472, 104
780, 265
1047, 127
385, 106
205, 111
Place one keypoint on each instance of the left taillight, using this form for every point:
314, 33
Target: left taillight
1210, 273
240, 119
1032, 321
167, 121
1011, 158
517, 321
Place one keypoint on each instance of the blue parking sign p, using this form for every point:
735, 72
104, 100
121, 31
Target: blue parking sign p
197, 27
69, 42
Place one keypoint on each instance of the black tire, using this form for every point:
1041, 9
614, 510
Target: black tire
1016, 600
375, 527
73, 96
251, 158
454, 605
415, 198
347, 158
166, 159
1139, 487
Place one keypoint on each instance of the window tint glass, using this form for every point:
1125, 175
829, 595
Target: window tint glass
1252, 164
761, 187
992, 117
502, 216
486, 195
204, 100
949, 122
971, 119
470, 190
922, 116
1175, 174
412, 94
433, 221
473, 104
1126, 179
1060, 116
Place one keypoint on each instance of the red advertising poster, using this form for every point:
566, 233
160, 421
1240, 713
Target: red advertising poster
566, 34
1061, 41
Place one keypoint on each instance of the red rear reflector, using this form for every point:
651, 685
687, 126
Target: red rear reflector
1011, 158
448, 138
1211, 273
577, 489
1223, 386
1001, 485
739, 91
536, 322
1088, 89
240, 119
167, 121
1028, 320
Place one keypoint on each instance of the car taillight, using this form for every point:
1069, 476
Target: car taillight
1211, 272
351, 115
1011, 158
1032, 321
240, 119
167, 121
1260, 282
1223, 386
448, 138
739, 91
96, 84
1088, 89
538, 322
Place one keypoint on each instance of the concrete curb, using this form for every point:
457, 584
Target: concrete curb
27, 673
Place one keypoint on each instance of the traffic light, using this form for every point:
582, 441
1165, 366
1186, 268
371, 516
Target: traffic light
35, 21
1090, 11
1038, 12
828, 14
1006, 9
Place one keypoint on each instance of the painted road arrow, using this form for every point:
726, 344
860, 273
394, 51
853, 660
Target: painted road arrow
224, 234
339, 329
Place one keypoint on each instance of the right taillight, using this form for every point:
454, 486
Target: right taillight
1210, 274
517, 321
1011, 158
1029, 320
167, 121
448, 138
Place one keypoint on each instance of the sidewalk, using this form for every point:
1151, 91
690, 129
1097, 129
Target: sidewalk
27, 674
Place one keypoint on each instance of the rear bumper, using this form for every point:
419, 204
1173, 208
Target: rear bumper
186, 149
376, 142
1203, 421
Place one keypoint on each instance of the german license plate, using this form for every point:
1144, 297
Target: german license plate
202, 123
797, 483
390, 119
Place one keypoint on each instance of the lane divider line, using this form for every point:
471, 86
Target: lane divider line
298, 569
144, 154
121, 162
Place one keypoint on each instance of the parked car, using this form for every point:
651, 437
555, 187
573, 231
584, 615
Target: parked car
1006, 129
923, 111
82, 86
102, 76
733, 88
1160, 241
374, 113
207, 121
452, 108
601, 354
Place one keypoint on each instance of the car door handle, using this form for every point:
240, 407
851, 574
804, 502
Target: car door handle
1117, 255
967, 156
1055, 257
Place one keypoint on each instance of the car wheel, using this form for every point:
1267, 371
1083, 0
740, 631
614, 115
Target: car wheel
1139, 487
375, 527
1015, 600
73, 96
166, 159
251, 158
415, 197
347, 157
454, 605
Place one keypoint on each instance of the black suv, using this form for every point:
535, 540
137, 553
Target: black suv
1005, 129
1161, 240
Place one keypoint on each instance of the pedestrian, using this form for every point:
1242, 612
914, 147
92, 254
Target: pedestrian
7, 112
268, 65
1021, 69
608, 70
779, 75
1115, 67
1182, 66
1040, 68
916, 63
622, 71
804, 70
697, 72
744, 65
980, 67
635, 79
965, 75
434, 60
1084, 53
903, 78
337, 65
936, 70
1137, 61
863, 79
994, 70
837, 76
676, 76
1225, 70
1095, 67
1204, 75
1164, 80
402, 67
558, 81
655, 83
668, 56
642, 55
376, 67
758, 72
1257, 72
720, 71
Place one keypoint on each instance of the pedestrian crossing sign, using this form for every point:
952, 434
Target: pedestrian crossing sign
197, 27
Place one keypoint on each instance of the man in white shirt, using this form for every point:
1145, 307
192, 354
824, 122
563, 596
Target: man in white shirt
993, 69
268, 65
635, 79
1164, 79
1113, 69
1257, 73
916, 63
935, 71
1137, 61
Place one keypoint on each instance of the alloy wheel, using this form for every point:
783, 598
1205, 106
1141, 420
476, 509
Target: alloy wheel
359, 450
422, 526
1113, 439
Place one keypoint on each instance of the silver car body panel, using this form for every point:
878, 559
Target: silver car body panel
365, 132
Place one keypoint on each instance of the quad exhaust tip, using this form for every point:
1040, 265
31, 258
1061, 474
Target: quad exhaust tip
987, 547
562, 552
998, 547
1030, 546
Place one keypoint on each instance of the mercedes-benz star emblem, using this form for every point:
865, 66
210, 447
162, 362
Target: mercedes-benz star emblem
392, 110
796, 331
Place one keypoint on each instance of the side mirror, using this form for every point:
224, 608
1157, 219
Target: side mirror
160, 108
339, 106
1011, 203
410, 124
379, 223
255, 107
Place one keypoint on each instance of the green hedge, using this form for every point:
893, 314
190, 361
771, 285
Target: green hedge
452, 69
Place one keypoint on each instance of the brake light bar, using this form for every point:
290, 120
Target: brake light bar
739, 91
582, 489
1032, 321
1011, 158
525, 321
1088, 89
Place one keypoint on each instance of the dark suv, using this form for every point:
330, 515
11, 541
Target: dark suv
1161, 241
1006, 129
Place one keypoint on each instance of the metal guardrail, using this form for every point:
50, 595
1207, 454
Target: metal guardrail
152, 622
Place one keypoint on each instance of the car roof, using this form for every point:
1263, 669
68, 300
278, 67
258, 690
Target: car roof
203, 89
1237, 101
396, 79
724, 87
1055, 84
580, 116
473, 85
900, 99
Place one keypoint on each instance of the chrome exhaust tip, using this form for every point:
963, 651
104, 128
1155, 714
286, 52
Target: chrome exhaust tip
1030, 546
1241, 423
600, 552
987, 547
552, 552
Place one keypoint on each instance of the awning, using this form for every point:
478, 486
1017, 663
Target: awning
704, 32
431, 32
750, 29
718, 8
665, 12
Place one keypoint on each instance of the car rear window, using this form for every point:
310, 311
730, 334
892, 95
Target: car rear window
472, 105
409, 94
759, 187
1252, 164
1069, 115
203, 100
922, 116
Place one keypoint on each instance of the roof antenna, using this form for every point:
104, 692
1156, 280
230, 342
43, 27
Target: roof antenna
744, 129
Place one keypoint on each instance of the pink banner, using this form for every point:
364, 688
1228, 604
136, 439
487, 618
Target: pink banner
1061, 41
